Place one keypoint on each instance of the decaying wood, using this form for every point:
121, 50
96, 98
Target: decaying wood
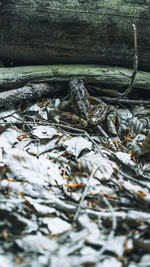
27, 93
110, 76
60, 31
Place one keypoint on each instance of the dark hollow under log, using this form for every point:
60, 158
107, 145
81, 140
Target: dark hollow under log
76, 31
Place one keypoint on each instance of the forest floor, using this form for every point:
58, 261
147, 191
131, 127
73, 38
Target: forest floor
73, 197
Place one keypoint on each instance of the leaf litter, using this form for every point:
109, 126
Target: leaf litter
67, 197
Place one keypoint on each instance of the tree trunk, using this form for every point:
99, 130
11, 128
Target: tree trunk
76, 31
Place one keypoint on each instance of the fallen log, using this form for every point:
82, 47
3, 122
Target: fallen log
77, 31
27, 93
104, 75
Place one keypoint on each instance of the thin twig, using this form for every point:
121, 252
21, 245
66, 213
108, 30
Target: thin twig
114, 227
135, 65
125, 101
84, 195
80, 131
130, 215
131, 178
106, 136
9, 115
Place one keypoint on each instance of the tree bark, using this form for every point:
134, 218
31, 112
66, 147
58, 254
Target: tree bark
30, 92
76, 31
109, 76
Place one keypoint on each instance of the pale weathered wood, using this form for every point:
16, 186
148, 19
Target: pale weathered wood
74, 31
110, 76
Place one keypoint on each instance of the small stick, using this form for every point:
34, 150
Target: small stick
80, 131
135, 65
125, 101
113, 230
105, 135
